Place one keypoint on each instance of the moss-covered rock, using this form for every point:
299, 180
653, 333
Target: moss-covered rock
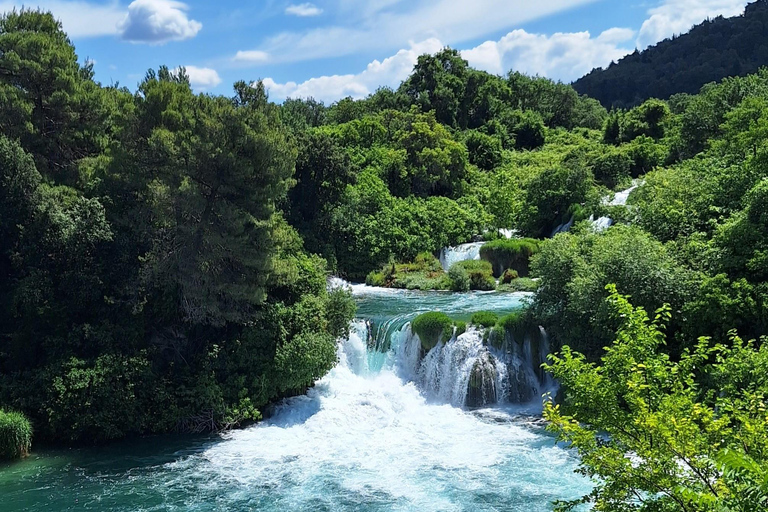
509, 275
512, 254
15, 435
484, 319
432, 328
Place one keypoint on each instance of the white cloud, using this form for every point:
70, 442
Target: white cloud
678, 16
80, 19
251, 56
377, 26
561, 56
201, 78
389, 72
303, 10
157, 22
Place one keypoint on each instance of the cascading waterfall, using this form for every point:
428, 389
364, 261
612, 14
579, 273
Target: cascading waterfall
465, 252
619, 199
467, 371
376, 433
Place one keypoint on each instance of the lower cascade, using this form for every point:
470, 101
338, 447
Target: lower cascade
474, 369
391, 427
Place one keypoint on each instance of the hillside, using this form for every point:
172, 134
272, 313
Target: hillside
711, 51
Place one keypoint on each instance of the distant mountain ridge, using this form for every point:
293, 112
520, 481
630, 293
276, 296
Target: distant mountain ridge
711, 51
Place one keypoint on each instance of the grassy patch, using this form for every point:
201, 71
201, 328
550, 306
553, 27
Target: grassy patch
15, 435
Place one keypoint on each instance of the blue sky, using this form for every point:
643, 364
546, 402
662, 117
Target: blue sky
329, 49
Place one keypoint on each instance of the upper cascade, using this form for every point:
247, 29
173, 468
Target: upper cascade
465, 252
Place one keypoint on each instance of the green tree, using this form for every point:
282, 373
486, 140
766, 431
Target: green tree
647, 432
221, 167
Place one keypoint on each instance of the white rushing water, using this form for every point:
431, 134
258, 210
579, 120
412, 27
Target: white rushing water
363, 440
619, 199
465, 252
383, 431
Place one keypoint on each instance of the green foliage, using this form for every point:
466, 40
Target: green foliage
485, 319
15, 435
644, 426
529, 131
425, 273
459, 279
522, 284
509, 275
480, 274
575, 270
303, 359
485, 151
715, 49
432, 328
513, 254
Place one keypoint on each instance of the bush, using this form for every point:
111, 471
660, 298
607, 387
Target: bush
517, 323
522, 284
461, 328
514, 254
376, 278
432, 328
459, 279
485, 319
15, 435
480, 274
509, 276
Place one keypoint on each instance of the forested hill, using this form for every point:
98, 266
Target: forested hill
711, 51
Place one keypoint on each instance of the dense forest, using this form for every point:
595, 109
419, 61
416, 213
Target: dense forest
711, 51
164, 255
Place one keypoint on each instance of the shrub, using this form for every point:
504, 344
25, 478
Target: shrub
522, 284
432, 328
509, 276
340, 308
15, 435
518, 323
459, 279
480, 274
512, 254
376, 278
485, 319
461, 328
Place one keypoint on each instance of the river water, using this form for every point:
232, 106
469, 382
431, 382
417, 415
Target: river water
367, 437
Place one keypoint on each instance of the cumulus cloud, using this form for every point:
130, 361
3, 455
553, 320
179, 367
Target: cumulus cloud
678, 16
303, 10
201, 78
157, 22
251, 56
385, 24
389, 72
562, 56
80, 19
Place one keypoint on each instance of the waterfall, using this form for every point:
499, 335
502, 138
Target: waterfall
563, 228
601, 224
464, 252
353, 350
619, 199
466, 371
